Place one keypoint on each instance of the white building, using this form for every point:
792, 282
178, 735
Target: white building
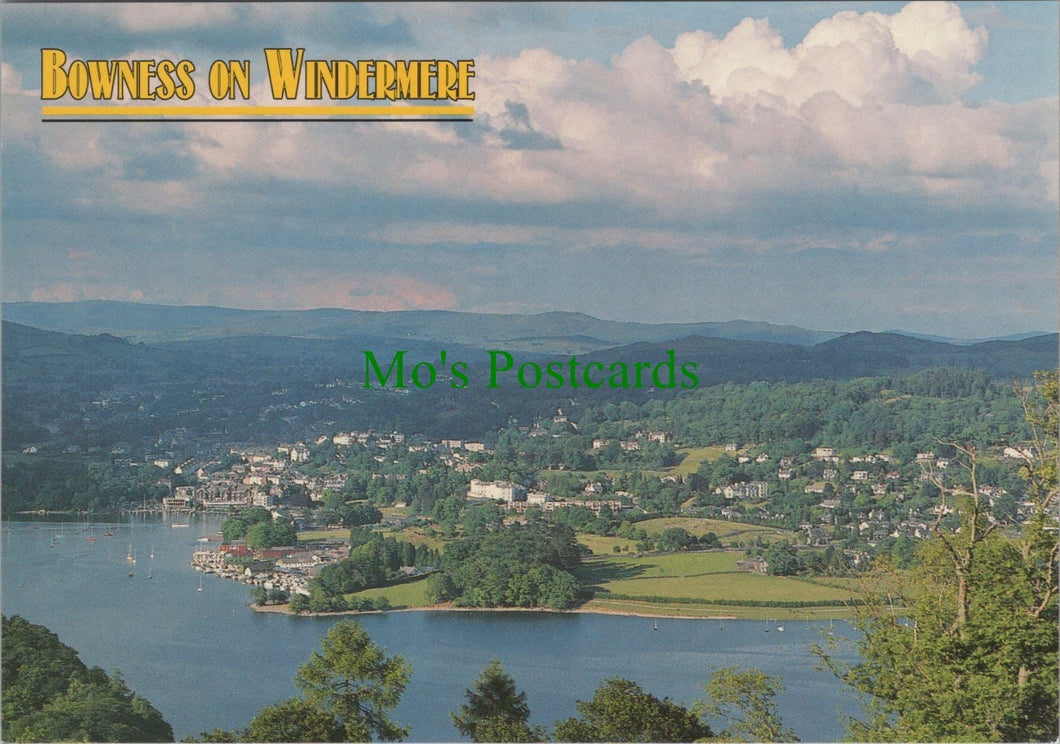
496, 491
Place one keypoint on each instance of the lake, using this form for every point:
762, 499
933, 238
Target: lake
206, 660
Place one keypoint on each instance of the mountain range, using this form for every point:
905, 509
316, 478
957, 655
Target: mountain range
107, 372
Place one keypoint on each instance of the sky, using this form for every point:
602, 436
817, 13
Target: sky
836, 166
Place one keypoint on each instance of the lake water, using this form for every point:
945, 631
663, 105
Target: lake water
206, 660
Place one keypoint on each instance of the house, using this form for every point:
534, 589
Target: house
756, 490
755, 565
816, 537
496, 491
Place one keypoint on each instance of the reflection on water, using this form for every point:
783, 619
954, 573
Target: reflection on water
205, 660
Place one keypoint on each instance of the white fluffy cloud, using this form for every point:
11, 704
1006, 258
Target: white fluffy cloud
861, 57
866, 101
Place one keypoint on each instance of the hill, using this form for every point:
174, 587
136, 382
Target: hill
558, 332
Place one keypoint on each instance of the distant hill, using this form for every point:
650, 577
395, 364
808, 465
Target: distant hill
559, 332
861, 354
94, 390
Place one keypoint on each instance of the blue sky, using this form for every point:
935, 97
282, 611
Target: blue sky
840, 166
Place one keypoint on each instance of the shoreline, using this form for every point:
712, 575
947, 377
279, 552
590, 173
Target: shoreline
282, 609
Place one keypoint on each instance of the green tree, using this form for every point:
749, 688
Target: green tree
782, 560
495, 710
621, 711
50, 695
295, 719
745, 700
353, 679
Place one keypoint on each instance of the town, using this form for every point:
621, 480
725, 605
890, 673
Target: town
858, 504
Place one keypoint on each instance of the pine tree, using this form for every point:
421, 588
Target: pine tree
495, 710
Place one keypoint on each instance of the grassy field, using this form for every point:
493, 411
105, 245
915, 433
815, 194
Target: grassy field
704, 577
401, 596
316, 535
725, 530
694, 457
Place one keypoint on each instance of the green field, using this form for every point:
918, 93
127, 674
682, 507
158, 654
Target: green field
601, 545
725, 530
401, 596
701, 578
694, 457
317, 535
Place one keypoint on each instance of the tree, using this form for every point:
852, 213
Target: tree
495, 710
782, 560
294, 719
352, 679
621, 711
50, 695
745, 699
964, 646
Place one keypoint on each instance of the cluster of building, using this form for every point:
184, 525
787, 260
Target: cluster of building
835, 479
274, 569
516, 498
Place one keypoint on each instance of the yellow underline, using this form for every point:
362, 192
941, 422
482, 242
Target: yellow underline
221, 111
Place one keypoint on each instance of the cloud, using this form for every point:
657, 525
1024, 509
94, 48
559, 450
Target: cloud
861, 57
700, 159
865, 101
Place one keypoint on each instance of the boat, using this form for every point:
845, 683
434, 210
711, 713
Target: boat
656, 625
130, 558
830, 627
178, 525
200, 583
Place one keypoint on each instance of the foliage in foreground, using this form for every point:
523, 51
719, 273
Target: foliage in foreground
496, 711
621, 711
348, 689
50, 695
